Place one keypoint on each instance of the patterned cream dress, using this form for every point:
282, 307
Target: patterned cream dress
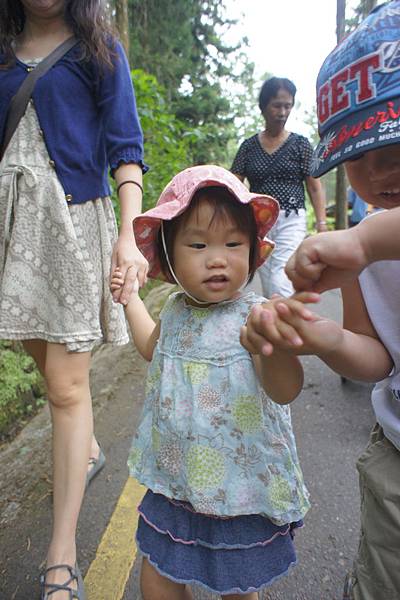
55, 258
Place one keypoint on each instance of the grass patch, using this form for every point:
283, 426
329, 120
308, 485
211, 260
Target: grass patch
21, 389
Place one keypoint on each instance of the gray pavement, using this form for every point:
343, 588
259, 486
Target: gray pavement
331, 420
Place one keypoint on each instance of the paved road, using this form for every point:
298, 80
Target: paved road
331, 420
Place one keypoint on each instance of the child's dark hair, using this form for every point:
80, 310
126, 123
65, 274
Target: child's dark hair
224, 205
271, 87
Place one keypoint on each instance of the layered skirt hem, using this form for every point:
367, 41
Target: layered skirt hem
238, 555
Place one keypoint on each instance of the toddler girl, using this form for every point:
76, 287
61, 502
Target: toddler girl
215, 445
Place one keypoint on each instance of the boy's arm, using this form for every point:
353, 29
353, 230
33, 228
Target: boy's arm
361, 355
379, 236
145, 332
332, 259
353, 351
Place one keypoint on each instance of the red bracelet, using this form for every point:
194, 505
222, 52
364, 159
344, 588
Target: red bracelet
129, 181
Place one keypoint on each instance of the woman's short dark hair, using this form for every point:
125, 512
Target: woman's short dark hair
88, 21
224, 205
271, 87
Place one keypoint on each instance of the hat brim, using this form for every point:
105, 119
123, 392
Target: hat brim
374, 127
147, 226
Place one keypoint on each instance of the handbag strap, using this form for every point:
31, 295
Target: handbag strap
20, 100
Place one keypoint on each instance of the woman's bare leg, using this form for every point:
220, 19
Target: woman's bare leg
37, 350
67, 380
156, 587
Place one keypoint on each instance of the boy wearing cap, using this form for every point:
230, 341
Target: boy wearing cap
359, 123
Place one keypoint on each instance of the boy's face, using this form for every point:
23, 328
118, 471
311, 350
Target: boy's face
375, 176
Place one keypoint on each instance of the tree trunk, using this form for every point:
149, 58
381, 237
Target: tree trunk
367, 7
341, 197
122, 21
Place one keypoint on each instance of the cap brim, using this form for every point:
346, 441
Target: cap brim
368, 129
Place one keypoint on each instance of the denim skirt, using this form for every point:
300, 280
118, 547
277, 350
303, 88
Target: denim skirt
225, 555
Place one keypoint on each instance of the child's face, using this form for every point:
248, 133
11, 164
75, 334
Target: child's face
375, 176
211, 261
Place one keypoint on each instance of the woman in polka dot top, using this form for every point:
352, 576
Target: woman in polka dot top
277, 162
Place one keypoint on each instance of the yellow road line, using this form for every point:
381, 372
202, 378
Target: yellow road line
107, 575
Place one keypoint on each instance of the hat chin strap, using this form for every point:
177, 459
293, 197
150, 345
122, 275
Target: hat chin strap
201, 302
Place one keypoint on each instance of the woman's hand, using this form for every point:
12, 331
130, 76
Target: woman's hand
132, 266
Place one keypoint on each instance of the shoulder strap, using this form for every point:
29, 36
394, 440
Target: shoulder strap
19, 102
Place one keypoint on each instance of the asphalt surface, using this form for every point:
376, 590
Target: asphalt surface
331, 421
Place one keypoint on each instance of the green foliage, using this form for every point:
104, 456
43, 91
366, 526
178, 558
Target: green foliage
167, 140
360, 12
21, 393
181, 43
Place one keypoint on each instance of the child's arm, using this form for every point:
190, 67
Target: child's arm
353, 351
281, 375
145, 332
333, 259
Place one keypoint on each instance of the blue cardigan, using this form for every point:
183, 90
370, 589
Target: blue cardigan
88, 118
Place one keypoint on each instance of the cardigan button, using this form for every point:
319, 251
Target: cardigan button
52, 163
29, 69
41, 133
68, 197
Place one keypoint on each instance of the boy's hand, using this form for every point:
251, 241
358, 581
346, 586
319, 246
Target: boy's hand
285, 324
326, 261
275, 324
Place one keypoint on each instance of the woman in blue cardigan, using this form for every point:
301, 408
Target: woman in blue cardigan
58, 236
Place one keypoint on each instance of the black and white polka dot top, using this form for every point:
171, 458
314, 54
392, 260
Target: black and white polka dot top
280, 174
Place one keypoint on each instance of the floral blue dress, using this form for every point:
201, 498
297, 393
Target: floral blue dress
219, 458
209, 434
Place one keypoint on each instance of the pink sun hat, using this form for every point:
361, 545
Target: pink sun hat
176, 197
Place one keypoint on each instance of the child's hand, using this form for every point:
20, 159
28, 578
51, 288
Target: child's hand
117, 282
282, 323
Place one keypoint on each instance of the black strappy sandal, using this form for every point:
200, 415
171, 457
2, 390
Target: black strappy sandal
48, 589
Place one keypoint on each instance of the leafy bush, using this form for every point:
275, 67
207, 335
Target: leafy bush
166, 139
21, 390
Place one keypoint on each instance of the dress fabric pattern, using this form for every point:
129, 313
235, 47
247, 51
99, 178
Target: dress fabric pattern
54, 258
279, 174
209, 435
